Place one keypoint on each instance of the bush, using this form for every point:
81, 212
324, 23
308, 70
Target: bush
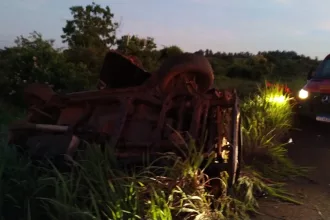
267, 120
34, 59
242, 71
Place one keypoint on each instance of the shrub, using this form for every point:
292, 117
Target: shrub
34, 59
267, 120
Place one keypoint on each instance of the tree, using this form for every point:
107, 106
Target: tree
34, 59
89, 35
200, 52
208, 52
134, 45
92, 26
170, 51
143, 48
244, 71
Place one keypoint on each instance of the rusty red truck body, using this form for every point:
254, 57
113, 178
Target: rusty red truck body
136, 112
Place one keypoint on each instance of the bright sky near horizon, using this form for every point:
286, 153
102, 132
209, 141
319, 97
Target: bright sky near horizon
220, 25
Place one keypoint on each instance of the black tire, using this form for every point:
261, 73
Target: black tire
192, 65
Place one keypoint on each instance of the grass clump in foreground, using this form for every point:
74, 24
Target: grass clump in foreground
98, 187
267, 120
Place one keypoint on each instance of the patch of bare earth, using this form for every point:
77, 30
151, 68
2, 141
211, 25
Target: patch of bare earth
311, 148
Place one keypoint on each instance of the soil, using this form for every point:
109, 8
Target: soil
310, 147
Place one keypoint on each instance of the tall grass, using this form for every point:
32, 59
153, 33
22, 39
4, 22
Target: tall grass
96, 188
267, 121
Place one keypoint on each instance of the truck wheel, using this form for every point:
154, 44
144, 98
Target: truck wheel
183, 67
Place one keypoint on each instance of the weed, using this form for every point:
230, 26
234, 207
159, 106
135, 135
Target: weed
94, 189
267, 119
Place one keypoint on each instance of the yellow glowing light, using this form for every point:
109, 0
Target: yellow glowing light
303, 94
277, 99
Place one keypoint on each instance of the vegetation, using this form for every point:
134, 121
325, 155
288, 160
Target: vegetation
95, 187
267, 120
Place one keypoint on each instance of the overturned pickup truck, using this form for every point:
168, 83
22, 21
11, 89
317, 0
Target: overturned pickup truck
136, 112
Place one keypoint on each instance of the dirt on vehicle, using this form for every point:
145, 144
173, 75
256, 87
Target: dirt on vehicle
310, 148
135, 112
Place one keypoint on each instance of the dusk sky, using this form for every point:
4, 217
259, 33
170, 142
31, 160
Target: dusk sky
220, 25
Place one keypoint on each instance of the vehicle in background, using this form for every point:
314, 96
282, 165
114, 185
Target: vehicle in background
313, 100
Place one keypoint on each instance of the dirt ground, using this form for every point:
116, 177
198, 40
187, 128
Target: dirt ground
311, 147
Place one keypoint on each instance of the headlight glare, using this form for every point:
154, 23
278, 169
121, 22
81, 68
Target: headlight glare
303, 94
